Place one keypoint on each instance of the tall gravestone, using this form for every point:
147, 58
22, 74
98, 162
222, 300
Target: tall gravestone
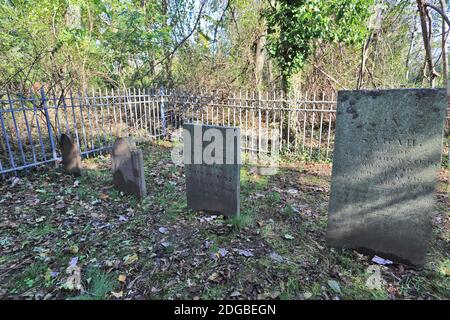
212, 158
128, 167
386, 156
70, 155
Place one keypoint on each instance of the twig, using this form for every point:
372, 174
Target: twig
330, 77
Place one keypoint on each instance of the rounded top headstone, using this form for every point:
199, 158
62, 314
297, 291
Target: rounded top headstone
123, 146
65, 142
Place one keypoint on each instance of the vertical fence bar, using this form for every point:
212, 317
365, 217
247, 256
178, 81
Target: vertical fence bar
154, 112
19, 140
96, 123
140, 111
113, 100
49, 126
136, 121
246, 119
75, 120
321, 121
119, 104
83, 128
124, 96
8, 146
304, 120
108, 112
163, 119
228, 108
281, 119
289, 122
157, 114
65, 112
38, 127
312, 126
146, 109
266, 107
240, 108
329, 126
56, 108
259, 123
28, 130
234, 108
100, 100
253, 122
150, 109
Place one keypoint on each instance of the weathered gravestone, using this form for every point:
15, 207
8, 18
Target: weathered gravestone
386, 156
128, 167
70, 155
212, 157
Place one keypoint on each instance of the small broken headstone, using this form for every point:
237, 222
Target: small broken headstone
70, 155
128, 167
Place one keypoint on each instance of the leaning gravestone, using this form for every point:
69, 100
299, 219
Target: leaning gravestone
212, 166
386, 156
70, 155
128, 167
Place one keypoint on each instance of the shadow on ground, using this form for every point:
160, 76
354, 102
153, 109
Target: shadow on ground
63, 237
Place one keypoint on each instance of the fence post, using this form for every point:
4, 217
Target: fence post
49, 126
8, 146
163, 118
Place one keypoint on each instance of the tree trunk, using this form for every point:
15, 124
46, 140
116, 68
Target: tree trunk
260, 42
168, 61
260, 58
364, 54
411, 44
424, 14
444, 45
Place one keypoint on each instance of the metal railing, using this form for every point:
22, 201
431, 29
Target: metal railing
31, 125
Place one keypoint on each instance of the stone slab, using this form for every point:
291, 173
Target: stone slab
128, 167
387, 154
212, 185
70, 155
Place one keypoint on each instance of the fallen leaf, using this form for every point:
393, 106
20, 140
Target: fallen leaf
374, 281
155, 290
307, 295
74, 249
334, 285
245, 253
381, 261
166, 243
122, 278
73, 282
162, 230
117, 295
73, 262
104, 196
288, 237
129, 259
235, 294
276, 257
213, 277
14, 182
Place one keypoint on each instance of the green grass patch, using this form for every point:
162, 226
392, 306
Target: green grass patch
100, 284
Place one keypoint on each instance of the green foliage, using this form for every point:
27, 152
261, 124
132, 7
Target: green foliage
296, 28
55, 42
100, 285
288, 211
